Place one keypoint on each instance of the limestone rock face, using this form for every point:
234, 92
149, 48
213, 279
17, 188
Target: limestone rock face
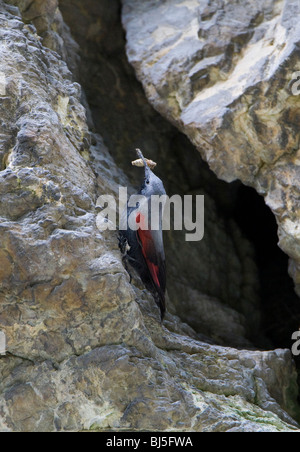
47, 19
224, 73
85, 348
122, 115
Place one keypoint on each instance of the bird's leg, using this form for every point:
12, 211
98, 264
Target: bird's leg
124, 247
125, 261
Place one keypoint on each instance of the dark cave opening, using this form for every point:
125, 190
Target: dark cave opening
280, 305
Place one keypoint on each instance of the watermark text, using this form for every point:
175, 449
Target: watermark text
2, 343
295, 84
2, 84
153, 214
296, 344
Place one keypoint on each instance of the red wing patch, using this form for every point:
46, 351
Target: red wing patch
154, 270
148, 248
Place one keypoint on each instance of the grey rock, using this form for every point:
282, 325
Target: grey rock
223, 73
86, 349
121, 113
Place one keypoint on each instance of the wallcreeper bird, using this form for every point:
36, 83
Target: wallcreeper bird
141, 245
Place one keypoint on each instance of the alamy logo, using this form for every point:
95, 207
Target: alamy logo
2, 343
156, 213
296, 344
2, 84
295, 86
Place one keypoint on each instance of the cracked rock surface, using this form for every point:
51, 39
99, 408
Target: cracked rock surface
223, 73
86, 349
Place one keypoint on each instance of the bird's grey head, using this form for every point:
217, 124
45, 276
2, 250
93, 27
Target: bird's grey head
152, 184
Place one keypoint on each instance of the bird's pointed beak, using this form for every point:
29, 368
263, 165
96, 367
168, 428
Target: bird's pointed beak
147, 169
